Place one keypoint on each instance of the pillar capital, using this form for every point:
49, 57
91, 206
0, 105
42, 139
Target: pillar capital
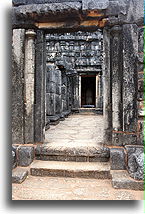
30, 33
115, 29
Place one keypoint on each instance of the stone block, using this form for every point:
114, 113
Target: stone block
93, 5
141, 132
58, 104
141, 85
19, 175
54, 120
120, 139
117, 158
135, 163
14, 157
140, 40
25, 155
140, 96
122, 180
50, 104
51, 87
140, 67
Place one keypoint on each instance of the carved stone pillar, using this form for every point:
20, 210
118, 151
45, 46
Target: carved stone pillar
76, 91
130, 87
40, 88
107, 108
99, 101
117, 77
29, 85
18, 42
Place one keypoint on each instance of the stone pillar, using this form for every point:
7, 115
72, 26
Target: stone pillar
117, 77
107, 107
58, 107
99, 104
69, 93
64, 92
18, 86
76, 91
29, 85
40, 88
50, 89
130, 87
80, 78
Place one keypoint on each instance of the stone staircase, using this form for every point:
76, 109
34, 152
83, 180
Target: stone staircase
69, 161
94, 166
96, 170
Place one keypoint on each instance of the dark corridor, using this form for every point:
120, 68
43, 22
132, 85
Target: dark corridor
88, 91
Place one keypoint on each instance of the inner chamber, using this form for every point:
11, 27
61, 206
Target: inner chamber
88, 91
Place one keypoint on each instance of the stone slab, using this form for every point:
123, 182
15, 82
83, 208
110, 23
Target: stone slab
19, 175
70, 169
122, 180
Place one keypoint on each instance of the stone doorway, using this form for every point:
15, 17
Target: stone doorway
88, 91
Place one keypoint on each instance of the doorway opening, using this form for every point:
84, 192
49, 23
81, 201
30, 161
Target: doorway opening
88, 91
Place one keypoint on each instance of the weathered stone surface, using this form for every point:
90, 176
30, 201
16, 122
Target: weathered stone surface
135, 161
23, 2
25, 155
48, 9
107, 110
29, 85
14, 157
141, 132
94, 5
122, 180
140, 40
130, 50
117, 158
47, 124
18, 86
134, 11
39, 108
117, 77
54, 120
123, 138
141, 85
19, 175
70, 169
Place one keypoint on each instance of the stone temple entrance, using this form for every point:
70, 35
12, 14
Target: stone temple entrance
88, 91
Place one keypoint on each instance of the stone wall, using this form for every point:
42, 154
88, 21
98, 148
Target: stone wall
74, 53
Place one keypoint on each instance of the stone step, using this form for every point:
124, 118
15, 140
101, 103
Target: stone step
70, 169
72, 153
122, 180
87, 111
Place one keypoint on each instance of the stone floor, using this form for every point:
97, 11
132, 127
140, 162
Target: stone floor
52, 188
76, 131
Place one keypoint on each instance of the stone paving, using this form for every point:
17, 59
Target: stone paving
52, 188
77, 131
